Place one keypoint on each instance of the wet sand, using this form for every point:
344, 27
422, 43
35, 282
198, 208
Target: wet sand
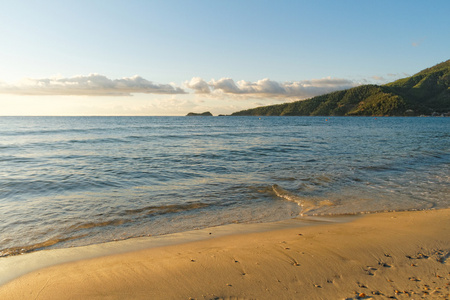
404, 255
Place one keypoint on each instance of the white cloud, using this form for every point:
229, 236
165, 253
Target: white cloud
100, 85
227, 86
266, 88
90, 85
198, 85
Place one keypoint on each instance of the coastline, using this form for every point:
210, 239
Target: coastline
394, 254
12, 267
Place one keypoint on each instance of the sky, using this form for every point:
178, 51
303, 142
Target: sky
171, 57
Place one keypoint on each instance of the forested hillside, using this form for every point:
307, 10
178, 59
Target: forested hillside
424, 93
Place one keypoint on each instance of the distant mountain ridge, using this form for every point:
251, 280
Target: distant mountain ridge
425, 93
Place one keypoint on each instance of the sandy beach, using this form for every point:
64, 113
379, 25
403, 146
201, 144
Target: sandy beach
399, 255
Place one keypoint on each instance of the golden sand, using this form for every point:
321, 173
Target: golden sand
405, 255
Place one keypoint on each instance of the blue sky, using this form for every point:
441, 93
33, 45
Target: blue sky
173, 57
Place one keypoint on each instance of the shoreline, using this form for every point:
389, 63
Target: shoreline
398, 254
18, 265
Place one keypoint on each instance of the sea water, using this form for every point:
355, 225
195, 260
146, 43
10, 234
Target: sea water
72, 181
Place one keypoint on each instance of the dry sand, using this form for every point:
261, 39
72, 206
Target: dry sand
403, 255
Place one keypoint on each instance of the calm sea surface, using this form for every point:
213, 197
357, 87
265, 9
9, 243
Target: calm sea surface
70, 181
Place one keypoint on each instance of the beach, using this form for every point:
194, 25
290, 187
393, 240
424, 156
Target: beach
405, 255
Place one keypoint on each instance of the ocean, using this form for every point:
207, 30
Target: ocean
73, 181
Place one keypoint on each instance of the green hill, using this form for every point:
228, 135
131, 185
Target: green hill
423, 93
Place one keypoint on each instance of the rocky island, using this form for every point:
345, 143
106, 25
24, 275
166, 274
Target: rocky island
205, 114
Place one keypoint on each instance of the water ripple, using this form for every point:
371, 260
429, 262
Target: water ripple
72, 181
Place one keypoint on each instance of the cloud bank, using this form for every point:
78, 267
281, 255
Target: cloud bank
90, 85
100, 85
266, 88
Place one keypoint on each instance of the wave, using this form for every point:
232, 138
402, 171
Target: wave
307, 204
80, 230
38, 246
63, 185
31, 132
166, 209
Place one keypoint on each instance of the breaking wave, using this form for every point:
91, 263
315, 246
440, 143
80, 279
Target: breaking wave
307, 204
